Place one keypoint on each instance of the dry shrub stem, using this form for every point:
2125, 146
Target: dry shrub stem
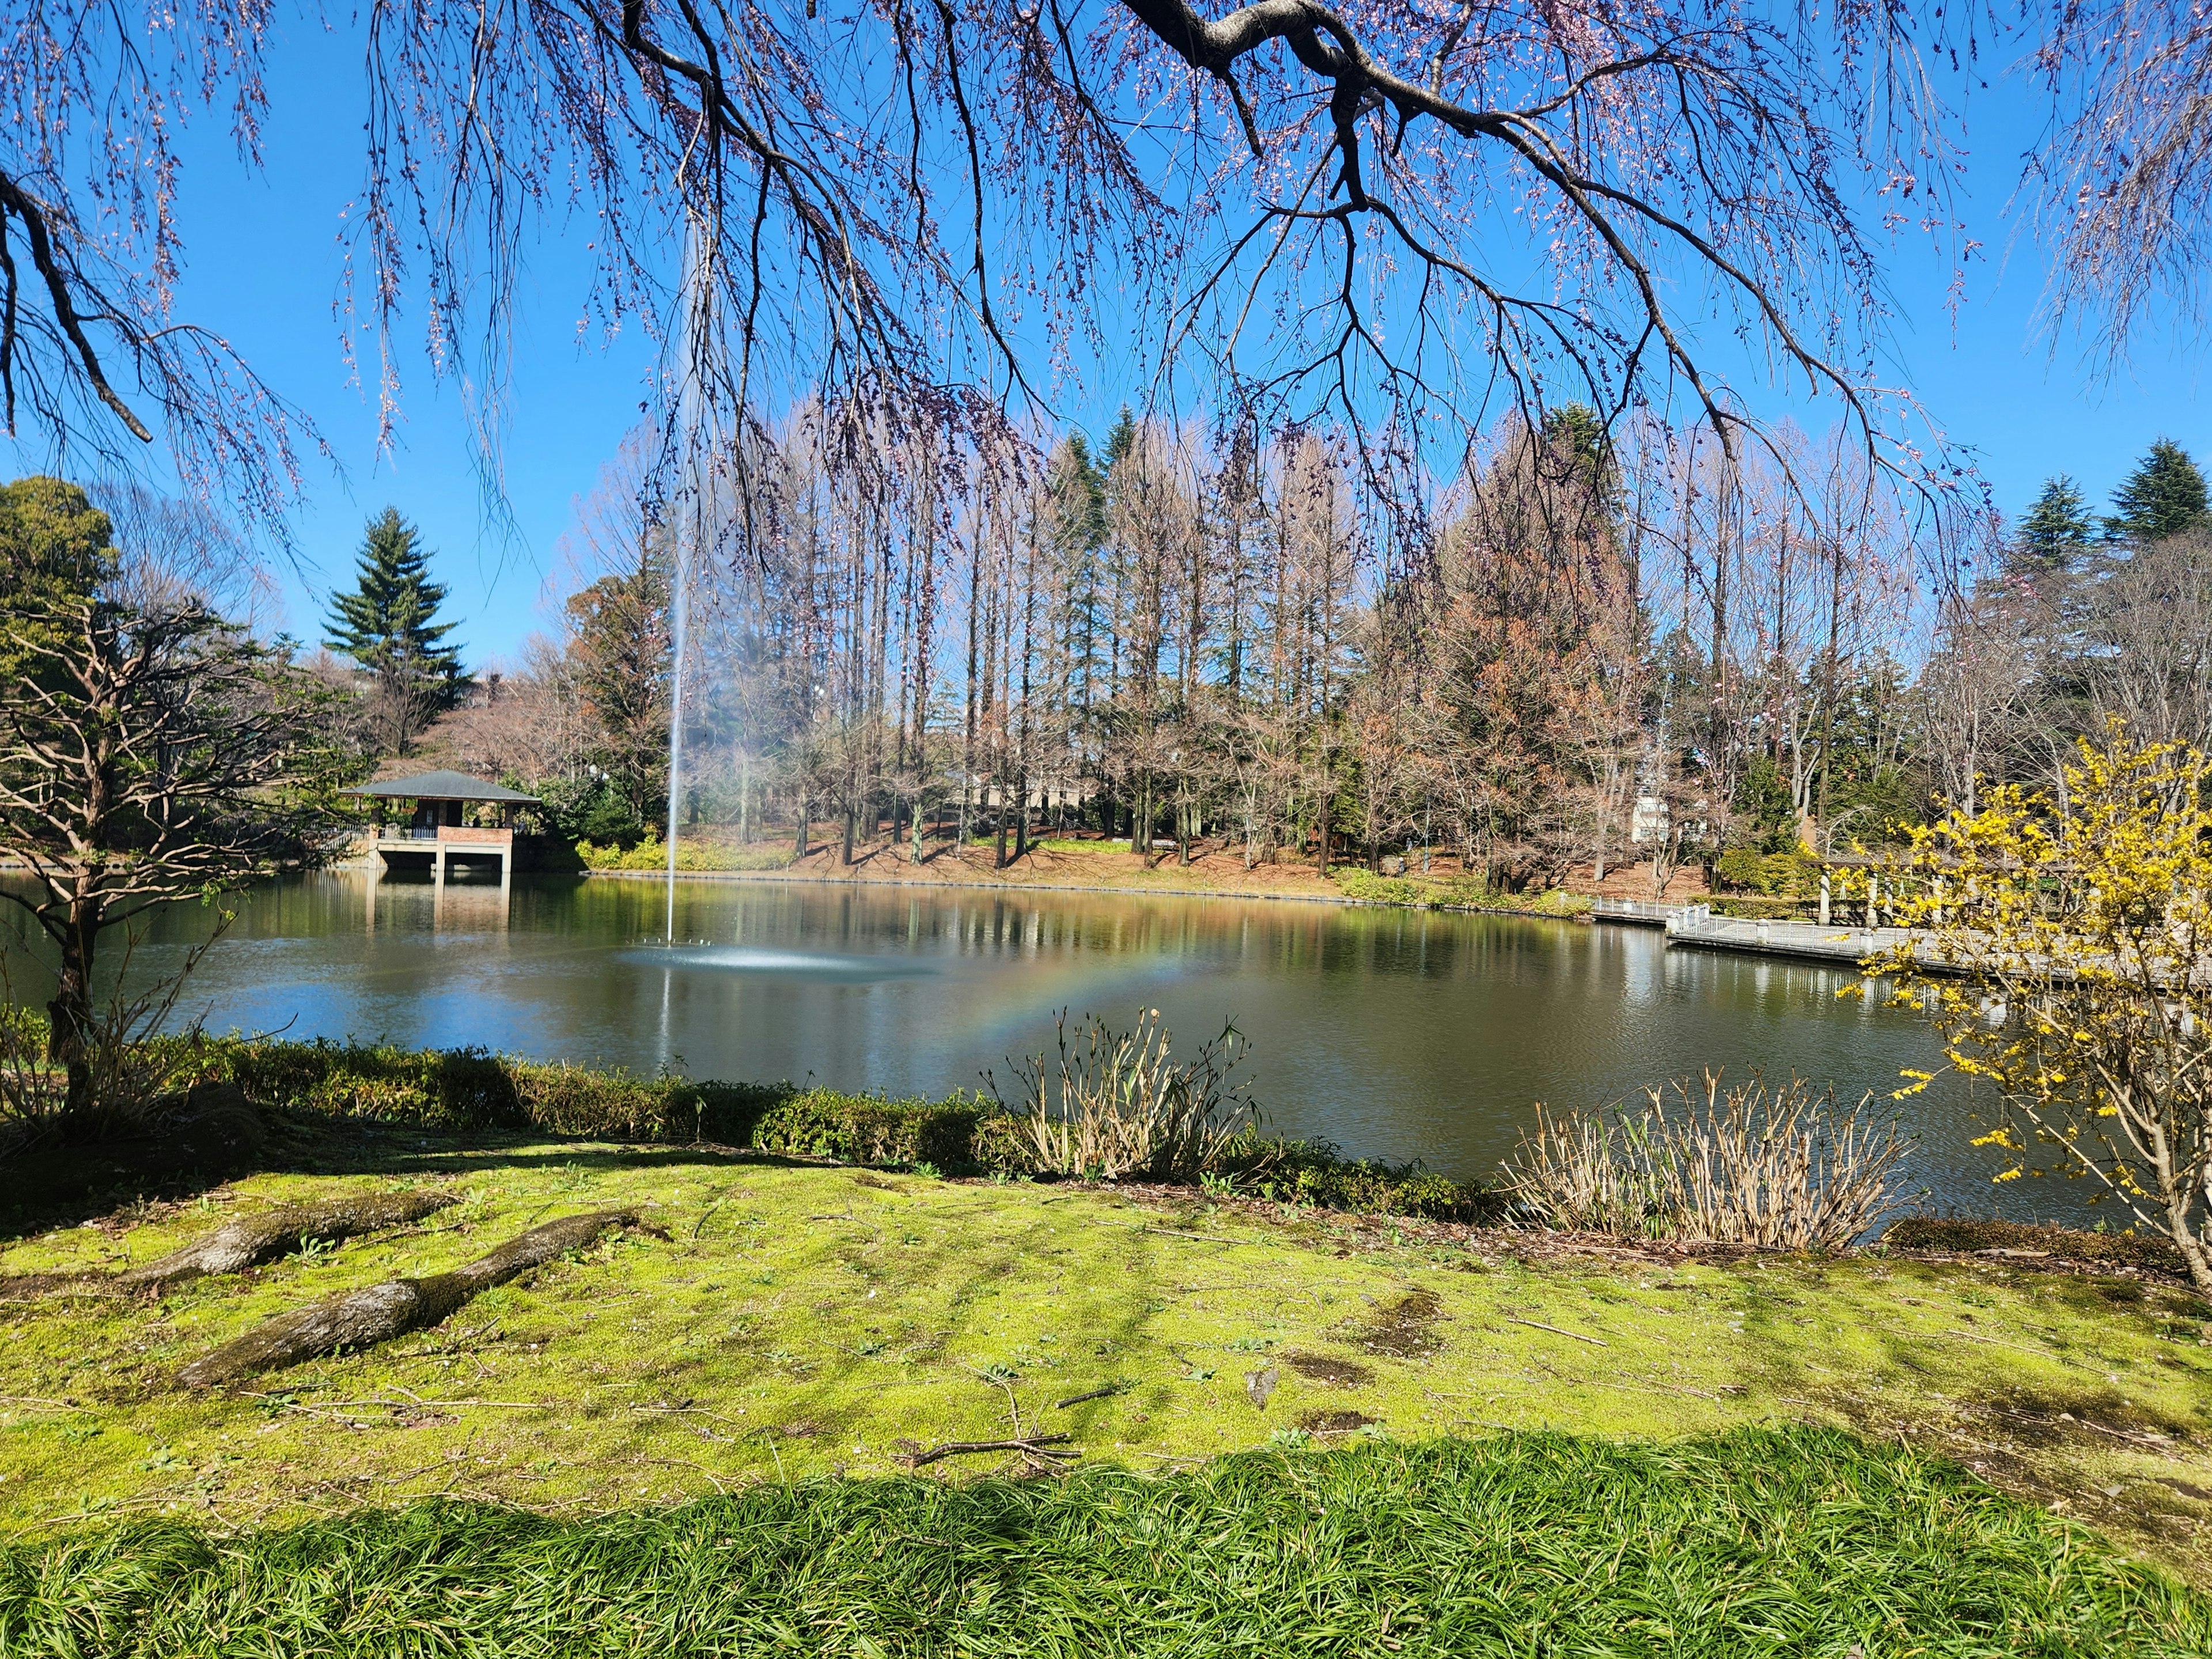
1118, 1103
1778, 1169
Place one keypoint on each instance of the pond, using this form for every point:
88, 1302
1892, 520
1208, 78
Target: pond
1396, 1033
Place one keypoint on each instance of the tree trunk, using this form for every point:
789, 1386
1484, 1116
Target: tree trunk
69, 1015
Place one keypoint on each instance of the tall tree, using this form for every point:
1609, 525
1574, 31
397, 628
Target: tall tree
2163, 496
2056, 531
388, 624
621, 650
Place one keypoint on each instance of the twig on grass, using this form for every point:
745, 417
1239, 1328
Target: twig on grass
1539, 1325
1171, 1232
1038, 1446
1078, 1399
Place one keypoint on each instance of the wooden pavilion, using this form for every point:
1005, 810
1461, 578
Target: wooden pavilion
433, 829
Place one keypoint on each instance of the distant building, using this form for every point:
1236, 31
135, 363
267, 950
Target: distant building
1649, 823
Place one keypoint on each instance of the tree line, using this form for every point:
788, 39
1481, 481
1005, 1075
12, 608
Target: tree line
1586, 652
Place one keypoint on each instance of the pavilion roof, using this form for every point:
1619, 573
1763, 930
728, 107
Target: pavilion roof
439, 785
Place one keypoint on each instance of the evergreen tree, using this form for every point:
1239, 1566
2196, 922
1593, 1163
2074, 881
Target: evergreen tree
2163, 496
621, 648
2057, 531
388, 624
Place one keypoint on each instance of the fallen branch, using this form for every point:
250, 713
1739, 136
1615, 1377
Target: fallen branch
361, 1319
1038, 1446
251, 1239
246, 1241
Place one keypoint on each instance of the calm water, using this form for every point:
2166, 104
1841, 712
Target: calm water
1391, 1032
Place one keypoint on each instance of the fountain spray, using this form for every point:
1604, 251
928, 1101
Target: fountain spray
691, 421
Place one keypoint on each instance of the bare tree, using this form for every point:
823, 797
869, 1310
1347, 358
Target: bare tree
150, 753
2125, 184
1305, 196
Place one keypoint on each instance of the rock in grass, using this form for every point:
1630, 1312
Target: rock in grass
361, 1319
251, 1239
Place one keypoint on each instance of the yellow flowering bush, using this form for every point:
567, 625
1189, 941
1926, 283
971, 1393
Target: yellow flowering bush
2063, 949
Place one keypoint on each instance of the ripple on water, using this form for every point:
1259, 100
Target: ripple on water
813, 967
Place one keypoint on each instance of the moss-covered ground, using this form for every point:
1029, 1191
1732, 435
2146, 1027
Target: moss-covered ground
800, 1319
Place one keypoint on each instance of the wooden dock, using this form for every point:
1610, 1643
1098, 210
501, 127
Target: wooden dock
1695, 925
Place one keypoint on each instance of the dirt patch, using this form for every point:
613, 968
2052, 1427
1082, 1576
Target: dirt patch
1329, 1371
2014, 1240
2088, 1417
2187, 1489
1334, 1422
1405, 1329
878, 1183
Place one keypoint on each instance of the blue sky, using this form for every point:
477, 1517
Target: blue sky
266, 264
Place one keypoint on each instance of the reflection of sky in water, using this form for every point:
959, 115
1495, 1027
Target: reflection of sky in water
1394, 1033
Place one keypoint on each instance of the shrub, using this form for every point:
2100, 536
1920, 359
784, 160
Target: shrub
697, 858
2060, 950
1456, 892
1314, 1172
1116, 1104
1739, 867
872, 1129
465, 1088
1778, 1169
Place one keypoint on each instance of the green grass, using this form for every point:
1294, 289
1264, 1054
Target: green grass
1451, 893
801, 1319
1796, 1542
695, 855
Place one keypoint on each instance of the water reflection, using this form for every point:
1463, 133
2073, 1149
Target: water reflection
1397, 1033
795, 965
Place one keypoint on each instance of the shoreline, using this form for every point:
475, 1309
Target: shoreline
991, 884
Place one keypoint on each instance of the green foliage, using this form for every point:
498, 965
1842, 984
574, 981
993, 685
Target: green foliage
1763, 801
55, 551
2057, 531
1314, 1172
1792, 874
873, 1128
388, 623
2163, 496
698, 857
1449, 893
468, 1089
1756, 1541
473, 1089
1739, 867
621, 650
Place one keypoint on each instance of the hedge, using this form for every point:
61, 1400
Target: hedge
872, 1129
465, 1088
474, 1089
1316, 1172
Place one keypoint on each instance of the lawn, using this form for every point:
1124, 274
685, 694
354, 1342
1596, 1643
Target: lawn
1249, 1427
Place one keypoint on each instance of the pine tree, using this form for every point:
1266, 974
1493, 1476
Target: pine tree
2057, 531
2163, 496
388, 625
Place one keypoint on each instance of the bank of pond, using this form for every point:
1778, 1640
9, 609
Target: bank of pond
457, 1354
